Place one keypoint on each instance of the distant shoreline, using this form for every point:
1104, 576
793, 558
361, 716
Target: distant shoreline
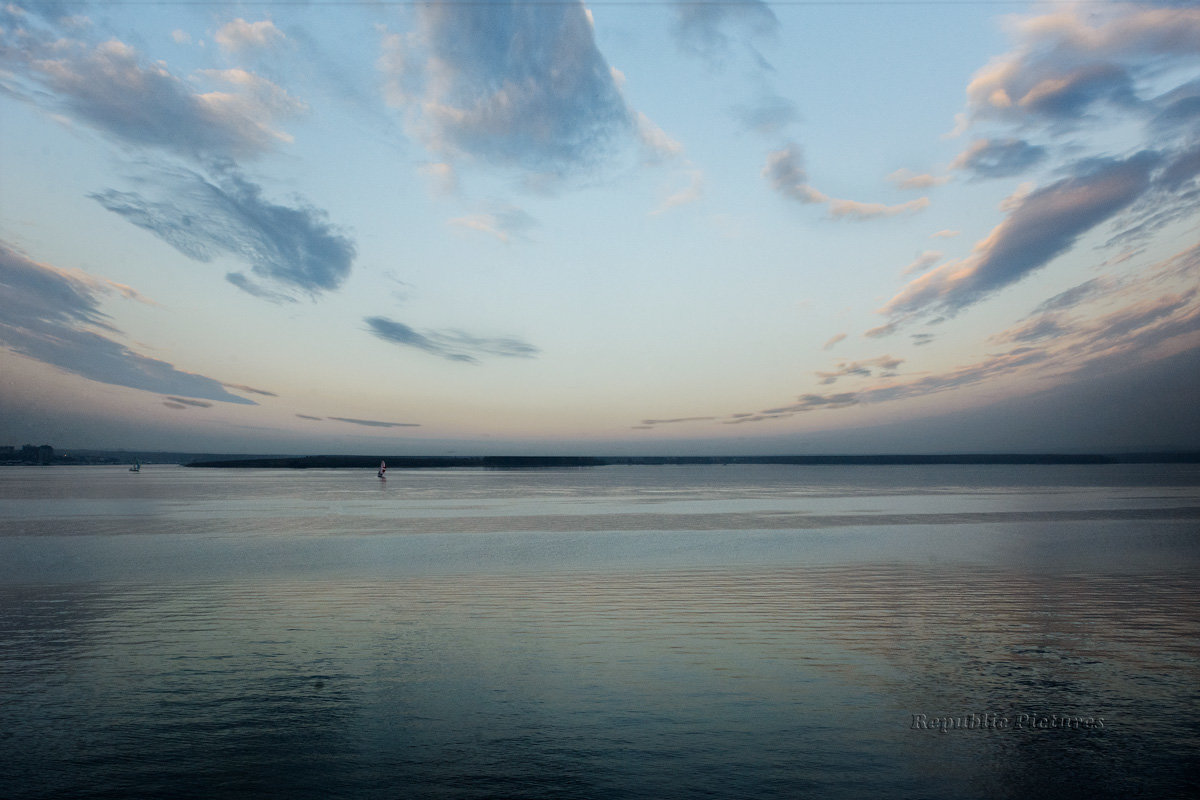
558, 462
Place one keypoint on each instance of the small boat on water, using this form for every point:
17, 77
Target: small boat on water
137, 466
382, 469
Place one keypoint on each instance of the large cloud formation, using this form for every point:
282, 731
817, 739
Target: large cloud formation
51, 315
112, 88
211, 208
293, 248
1076, 75
508, 82
1044, 224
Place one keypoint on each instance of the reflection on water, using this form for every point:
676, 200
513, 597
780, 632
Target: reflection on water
293, 654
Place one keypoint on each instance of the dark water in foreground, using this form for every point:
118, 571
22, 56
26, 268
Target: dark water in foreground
619, 632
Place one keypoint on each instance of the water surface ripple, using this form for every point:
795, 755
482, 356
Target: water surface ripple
614, 633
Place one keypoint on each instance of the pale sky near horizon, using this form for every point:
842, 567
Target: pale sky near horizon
642, 227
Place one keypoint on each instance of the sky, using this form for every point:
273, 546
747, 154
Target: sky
613, 227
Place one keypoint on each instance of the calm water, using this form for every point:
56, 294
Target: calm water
618, 632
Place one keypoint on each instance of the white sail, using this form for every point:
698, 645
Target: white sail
382, 468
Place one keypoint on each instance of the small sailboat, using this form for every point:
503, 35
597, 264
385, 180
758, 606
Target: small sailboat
137, 466
382, 469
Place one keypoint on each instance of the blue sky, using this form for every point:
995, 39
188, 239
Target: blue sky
542, 227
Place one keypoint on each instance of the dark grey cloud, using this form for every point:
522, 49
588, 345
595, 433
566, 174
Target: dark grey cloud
509, 82
310, 417
46, 314
999, 158
709, 30
452, 345
372, 423
294, 248
652, 422
251, 390
194, 403
1041, 226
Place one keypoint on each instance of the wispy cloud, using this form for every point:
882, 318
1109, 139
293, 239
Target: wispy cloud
922, 262
1154, 313
250, 390
770, 113
49, 315
785, 172
239, 35
853, 209
709, 30
675, 421
500, 220
293, 248
188, 402
884, 366
907, 179
833, 340
452, 345
372, 423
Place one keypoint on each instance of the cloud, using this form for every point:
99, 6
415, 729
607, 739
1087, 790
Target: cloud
452, 345
922, 262
251, 390
707, 30
907, 179
1078, 61
194, 403
833, 340
48, 314
508, 83
769, 115
884, 365
944, 234
291, 248
651, 422
442, 176
111, 88
690, 193
785, 173
1075, 295
239, 35
852, 209
657, 145
310, 417
371, 423
1041, 225
993, 158
500, 220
